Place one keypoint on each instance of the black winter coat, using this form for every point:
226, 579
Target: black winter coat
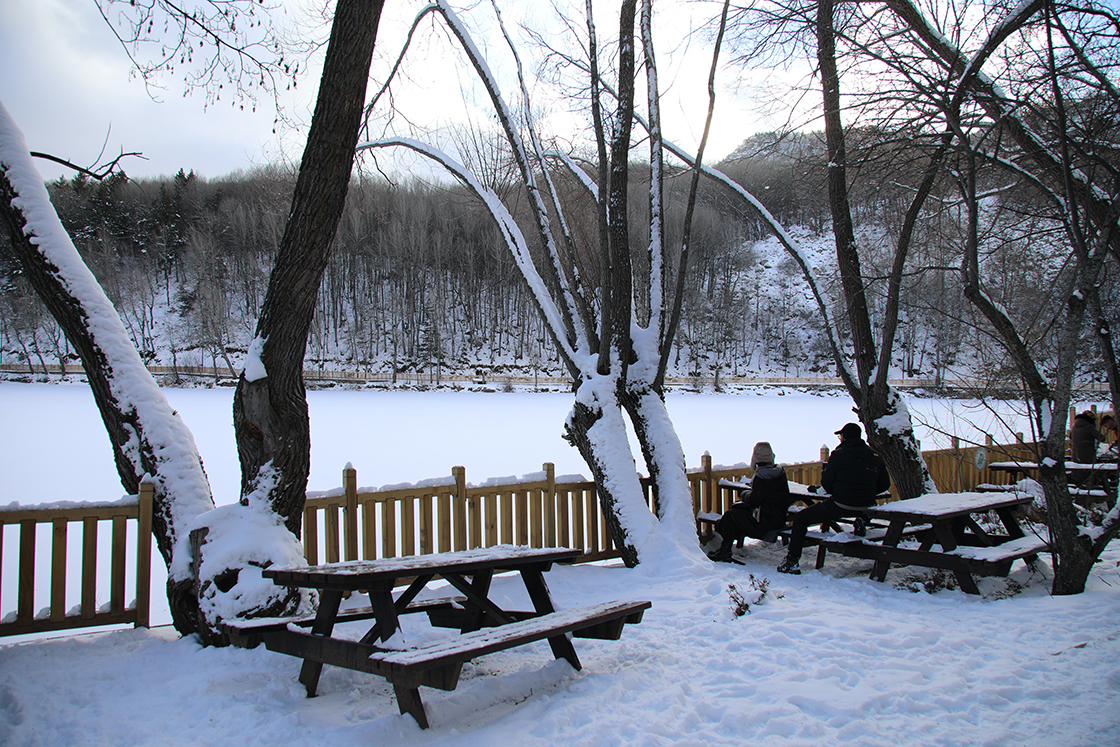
1083, 438
855, 475
770, 495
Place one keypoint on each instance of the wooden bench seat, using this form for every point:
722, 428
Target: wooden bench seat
245, 633
849, 544
439, 663
997, 559
989, 487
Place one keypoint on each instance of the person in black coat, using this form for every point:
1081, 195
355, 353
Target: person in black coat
1083, 437
853, 478
762, 509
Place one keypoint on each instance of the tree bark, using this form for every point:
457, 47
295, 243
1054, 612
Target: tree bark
270, 412
664, 459
589, 426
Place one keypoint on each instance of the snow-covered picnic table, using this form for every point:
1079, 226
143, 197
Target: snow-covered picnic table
484, 627
962, 545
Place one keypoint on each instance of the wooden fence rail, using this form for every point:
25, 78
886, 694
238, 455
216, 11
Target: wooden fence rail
52, 523
445, 514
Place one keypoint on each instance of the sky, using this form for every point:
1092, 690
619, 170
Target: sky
74, 94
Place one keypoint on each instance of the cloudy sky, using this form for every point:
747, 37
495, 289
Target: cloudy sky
67, 83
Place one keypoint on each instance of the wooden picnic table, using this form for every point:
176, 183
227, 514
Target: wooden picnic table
964, 547
484, 627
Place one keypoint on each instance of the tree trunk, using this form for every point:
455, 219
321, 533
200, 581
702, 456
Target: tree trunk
597, 429
146, 434
270, 410
1069, 548
665, 462
890, 431
895, 443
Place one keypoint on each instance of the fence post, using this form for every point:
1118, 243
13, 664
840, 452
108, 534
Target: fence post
824, 455
706, 487
25, 613
548, 499
466, 533
146, 499
958, 463
350, 514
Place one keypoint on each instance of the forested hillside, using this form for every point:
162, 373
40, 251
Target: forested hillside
419, 280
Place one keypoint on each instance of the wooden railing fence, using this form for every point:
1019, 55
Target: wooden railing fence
351, 523
51, 523
446, 514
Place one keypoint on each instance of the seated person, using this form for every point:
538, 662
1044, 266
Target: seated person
1108, 428
769, 494
1083, 437
853, 477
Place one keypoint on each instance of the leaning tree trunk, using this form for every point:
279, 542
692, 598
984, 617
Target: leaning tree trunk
270, 404
890, 431
146, 434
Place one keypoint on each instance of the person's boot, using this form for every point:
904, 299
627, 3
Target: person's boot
790, 566
722, 554
860, 527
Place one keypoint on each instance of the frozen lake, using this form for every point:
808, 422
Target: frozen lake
55, 448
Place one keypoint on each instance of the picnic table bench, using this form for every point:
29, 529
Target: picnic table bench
484, 626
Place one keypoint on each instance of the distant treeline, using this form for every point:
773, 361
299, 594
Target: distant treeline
420, 278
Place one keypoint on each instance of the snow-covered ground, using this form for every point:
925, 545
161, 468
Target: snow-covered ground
824, 658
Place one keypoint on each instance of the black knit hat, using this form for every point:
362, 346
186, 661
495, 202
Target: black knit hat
851, 431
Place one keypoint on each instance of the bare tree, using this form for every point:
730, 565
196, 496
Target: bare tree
616, 360
1024, 127
270, 410
270, 404
147, 436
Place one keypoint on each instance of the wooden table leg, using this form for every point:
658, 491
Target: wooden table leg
1010, 522
480, 584
561, 645
945, 536
948, 539
329, 600
408, 701
384, 611
891, 539
964, 578
478, 603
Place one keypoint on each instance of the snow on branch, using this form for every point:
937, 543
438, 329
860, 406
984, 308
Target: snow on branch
511, 234
557, 274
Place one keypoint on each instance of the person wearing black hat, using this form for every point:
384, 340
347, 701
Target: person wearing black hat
853, 478
762, 509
